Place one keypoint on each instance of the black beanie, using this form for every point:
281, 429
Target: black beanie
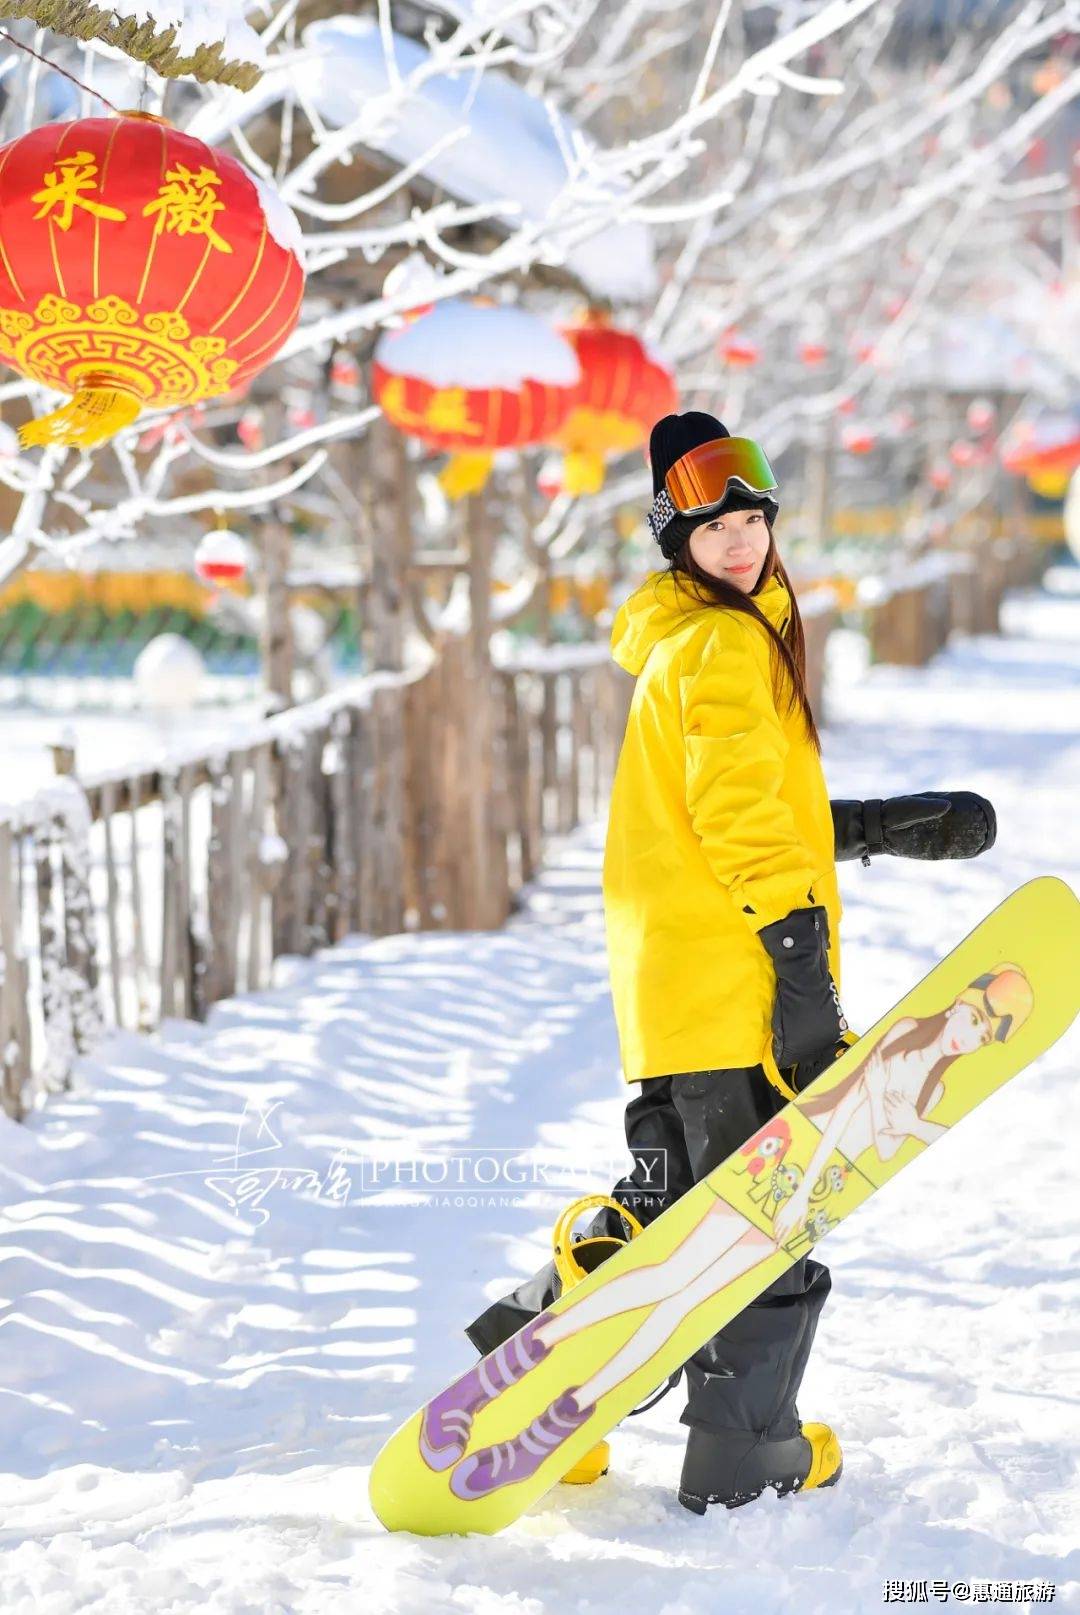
675, 435
671, 438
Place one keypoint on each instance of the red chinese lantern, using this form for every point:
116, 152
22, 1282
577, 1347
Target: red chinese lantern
1061, 458
345, 373
221, 557
812, 353
138, 268
624, 389
1048, 77
472, 378
1052, 449
940, 477
981, 415
847, 406
857, 440
249, 429
301, 417
962, 452
549, 478
737, 351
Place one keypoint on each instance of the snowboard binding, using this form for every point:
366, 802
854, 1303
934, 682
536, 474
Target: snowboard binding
576, 1256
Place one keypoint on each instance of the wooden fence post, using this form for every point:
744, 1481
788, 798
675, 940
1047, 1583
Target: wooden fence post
342, 898
224, 891
15, 1053
80, 932
387, 809
258, 873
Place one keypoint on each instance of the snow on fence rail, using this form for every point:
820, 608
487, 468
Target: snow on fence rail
128, 897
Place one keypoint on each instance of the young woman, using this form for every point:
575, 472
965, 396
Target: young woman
722, 910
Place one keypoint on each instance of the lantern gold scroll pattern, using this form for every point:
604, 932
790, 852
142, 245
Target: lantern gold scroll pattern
471, 378
139, 268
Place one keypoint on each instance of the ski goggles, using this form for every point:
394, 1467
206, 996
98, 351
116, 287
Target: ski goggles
700, 480
1004, 997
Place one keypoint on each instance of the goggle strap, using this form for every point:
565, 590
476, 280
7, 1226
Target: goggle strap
664, 509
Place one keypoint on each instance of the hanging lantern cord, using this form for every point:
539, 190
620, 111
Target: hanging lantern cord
86, 89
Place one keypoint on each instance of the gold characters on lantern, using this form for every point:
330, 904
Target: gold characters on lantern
445, 411
63, 187
187, 203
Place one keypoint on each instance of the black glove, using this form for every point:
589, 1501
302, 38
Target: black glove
807, 1022
936, 824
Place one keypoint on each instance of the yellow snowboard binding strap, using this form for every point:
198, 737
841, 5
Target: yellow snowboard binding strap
574, 1260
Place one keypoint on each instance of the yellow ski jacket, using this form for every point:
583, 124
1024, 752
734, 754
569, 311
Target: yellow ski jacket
719, 824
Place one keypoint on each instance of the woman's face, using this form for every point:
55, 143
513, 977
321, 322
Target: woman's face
966, 1029
732, 547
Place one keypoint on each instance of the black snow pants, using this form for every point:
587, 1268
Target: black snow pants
746, 1378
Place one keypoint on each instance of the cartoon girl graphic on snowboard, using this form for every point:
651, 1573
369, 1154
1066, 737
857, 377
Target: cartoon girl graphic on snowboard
881, 1104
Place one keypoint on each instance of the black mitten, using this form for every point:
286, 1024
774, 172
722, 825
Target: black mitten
936, 824
807, 1021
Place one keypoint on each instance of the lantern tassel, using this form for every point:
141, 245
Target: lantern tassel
95, 413
465, 473
583, 472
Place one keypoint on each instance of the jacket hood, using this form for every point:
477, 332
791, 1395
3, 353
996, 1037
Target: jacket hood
662, 604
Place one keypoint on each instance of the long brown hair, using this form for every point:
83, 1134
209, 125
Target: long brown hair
917, 1037
787, 651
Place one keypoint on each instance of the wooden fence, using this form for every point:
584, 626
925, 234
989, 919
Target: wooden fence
416, 800
911, 613
128, 898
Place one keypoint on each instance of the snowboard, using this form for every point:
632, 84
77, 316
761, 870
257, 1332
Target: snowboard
507, 1430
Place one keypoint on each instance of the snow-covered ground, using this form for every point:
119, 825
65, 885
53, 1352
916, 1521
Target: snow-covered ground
199, 1364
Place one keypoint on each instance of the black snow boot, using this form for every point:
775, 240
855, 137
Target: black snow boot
735, 1466
744, 1429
